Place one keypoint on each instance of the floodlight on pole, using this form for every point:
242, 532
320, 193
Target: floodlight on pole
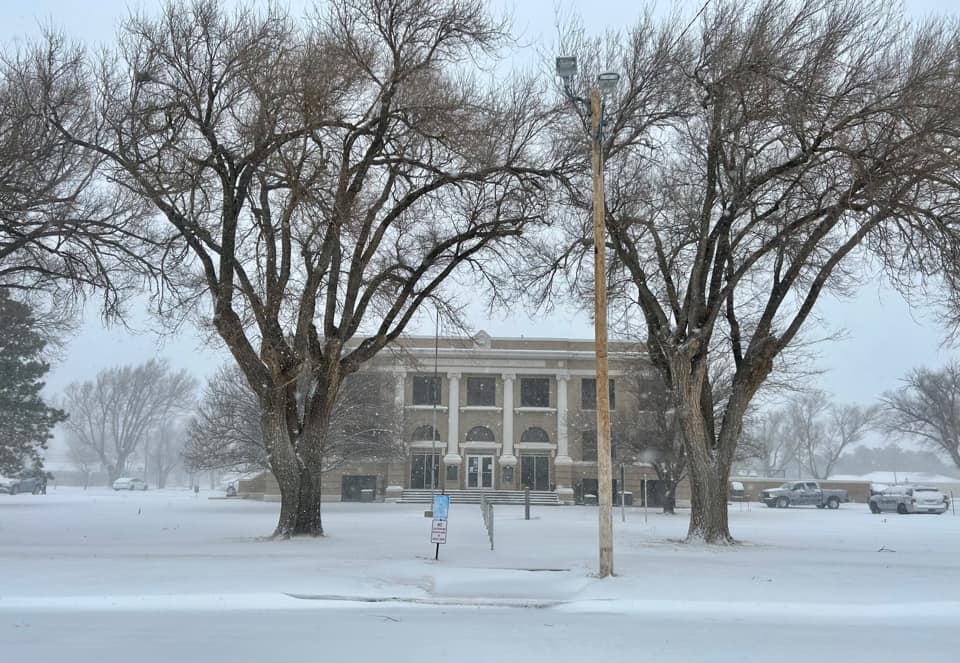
566, 67
607, 81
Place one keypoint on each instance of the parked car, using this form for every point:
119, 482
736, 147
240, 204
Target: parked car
797, 493
34, 483
128, 483
737, 492
909, 499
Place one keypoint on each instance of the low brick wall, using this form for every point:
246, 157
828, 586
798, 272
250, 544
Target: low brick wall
859, 491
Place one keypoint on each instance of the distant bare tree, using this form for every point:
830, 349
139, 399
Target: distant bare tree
324, 180
225, 431
927, 409
114, 414
163, 451
754, 161
83, 458
766, 439
366, 424
822, 431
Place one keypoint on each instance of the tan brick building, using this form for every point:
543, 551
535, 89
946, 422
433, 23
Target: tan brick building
498, 414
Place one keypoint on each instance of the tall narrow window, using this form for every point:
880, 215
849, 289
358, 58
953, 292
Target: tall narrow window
588, 394
481, 391
588, 445
426, 390
535, 392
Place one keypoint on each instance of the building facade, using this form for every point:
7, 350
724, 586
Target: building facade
483, 413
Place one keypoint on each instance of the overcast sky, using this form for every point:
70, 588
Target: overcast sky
884, 337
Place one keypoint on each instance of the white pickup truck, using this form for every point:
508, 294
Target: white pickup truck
798, 493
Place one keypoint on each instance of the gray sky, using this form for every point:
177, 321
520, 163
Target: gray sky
884, 336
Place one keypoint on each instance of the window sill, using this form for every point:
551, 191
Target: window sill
531, 409
481, 408
426, 407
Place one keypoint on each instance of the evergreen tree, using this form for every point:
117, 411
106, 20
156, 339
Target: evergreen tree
25, 419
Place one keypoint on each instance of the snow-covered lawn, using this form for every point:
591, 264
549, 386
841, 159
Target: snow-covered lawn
91, 566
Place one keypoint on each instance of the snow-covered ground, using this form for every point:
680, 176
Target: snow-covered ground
168, 576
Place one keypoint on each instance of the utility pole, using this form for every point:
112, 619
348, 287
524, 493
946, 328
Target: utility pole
604, 463
605, 83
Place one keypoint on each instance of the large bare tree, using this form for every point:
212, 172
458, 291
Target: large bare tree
114, 414
324, 180
927, 409
757, 158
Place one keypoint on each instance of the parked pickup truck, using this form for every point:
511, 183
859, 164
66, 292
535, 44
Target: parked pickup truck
796, 493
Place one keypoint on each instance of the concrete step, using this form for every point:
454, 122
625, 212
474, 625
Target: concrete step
538, 497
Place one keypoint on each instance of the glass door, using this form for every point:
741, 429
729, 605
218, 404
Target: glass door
480, 471
420, 470
535, 472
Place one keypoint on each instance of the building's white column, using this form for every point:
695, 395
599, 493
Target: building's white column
453, 420
563, 453
401, 378
507, 457
563, 464
397, 468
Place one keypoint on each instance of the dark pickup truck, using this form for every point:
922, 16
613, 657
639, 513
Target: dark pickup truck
800, 493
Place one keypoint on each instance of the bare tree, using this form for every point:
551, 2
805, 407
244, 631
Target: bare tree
225, 431
766, 440
821, 431
324, 180
927, 408
163, 451
755, 162
115, 413
650, 433
85, 459
226, 435
62, 234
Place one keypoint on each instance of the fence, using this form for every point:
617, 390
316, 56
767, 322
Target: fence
486, 510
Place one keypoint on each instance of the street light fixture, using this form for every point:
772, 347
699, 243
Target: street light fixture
606, 83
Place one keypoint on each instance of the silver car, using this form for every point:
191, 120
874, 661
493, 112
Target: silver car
909, 499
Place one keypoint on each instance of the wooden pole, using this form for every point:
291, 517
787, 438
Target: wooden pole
604, 462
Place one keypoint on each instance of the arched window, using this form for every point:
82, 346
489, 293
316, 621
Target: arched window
425, 433
534, 434
480, 434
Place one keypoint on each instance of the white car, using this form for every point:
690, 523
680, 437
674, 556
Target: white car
909, 499
128, 483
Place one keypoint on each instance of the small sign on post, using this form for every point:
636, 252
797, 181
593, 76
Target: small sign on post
438, 528
438, 531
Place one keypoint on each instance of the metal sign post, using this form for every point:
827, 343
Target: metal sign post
644, 500
623, 488
438, 528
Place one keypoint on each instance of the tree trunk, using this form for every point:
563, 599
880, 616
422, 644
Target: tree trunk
708, 505
670, 497
708, 461
308, 518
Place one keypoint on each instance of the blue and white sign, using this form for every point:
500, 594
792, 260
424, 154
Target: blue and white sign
441, 507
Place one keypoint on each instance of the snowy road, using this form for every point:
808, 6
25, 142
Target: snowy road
378, 632
166, 576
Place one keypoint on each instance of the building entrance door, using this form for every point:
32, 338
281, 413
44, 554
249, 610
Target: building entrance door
421, 467
535, 472
480, 471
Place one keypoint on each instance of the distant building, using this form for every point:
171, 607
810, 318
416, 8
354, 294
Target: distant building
498, 414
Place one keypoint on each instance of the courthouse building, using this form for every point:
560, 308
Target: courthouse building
500, 414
